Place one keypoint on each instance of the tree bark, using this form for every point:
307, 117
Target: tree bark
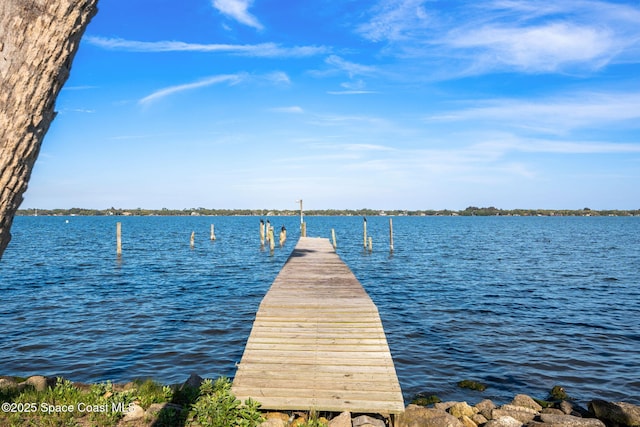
38, 41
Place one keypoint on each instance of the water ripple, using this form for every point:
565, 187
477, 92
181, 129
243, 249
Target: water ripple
520, 304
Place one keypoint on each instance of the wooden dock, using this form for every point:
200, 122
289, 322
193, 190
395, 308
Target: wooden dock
317, 342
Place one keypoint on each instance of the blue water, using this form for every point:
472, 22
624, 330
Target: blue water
520, 304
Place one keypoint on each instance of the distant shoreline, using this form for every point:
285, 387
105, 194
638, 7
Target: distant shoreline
470, 211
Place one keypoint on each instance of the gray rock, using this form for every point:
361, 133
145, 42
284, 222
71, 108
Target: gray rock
342, 420
6, 383
570, 421
552, 411
622, 413
526, 402
479, 419
134, 413
419, 416
367, 421
38, 382
193, 381
485, 407
566, 407
504, 421
519, 413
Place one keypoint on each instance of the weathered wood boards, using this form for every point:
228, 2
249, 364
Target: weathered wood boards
317, 341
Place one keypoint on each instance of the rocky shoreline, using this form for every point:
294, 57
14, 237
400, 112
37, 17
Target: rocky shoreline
424, 411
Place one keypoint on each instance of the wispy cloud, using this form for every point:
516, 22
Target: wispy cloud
295, 109
238, 10
505, 35
209, 81
554, 115
351, 68
255, 50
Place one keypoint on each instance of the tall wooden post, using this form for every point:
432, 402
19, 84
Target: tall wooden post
193, 239
365, 232
119, 238
261, 232
271, 238
213, 234
303, 226
283, 235
370, 244
333, 237
390, 235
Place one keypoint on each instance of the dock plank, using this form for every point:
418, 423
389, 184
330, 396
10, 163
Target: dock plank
317, 342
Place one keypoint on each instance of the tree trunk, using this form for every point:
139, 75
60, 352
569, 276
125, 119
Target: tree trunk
38, 40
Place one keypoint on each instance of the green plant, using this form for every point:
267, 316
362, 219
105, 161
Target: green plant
472, 385
218, 407
149, 392
425, 400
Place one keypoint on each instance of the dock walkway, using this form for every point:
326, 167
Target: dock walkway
317, 342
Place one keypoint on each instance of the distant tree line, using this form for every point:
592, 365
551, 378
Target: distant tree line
470, 211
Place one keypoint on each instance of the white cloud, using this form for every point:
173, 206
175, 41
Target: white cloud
238, 10
293, 109
554, 115
225, 78
507, 35
351, 68
545, 48
255, 50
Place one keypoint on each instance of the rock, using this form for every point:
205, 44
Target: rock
38, 382
526, 402
39, 41
444, 406
278, 415
552, 411
485, 407
274, 422
504, 421
194, 381
519, 413
298, 422
462, 409
622, 413
566, 407
468, 422
134, 413
479, 419
570, 421
6, 383
342, 420
418, 416
367, 421
558, 393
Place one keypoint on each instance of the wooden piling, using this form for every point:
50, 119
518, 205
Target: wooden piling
261, 232
283, 236
303, 229
370, 244
365, 232
333, 238
390, 235
213, 234
119, 238
271, 238
193, 239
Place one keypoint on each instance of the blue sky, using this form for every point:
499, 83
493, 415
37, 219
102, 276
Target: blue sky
390, 104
